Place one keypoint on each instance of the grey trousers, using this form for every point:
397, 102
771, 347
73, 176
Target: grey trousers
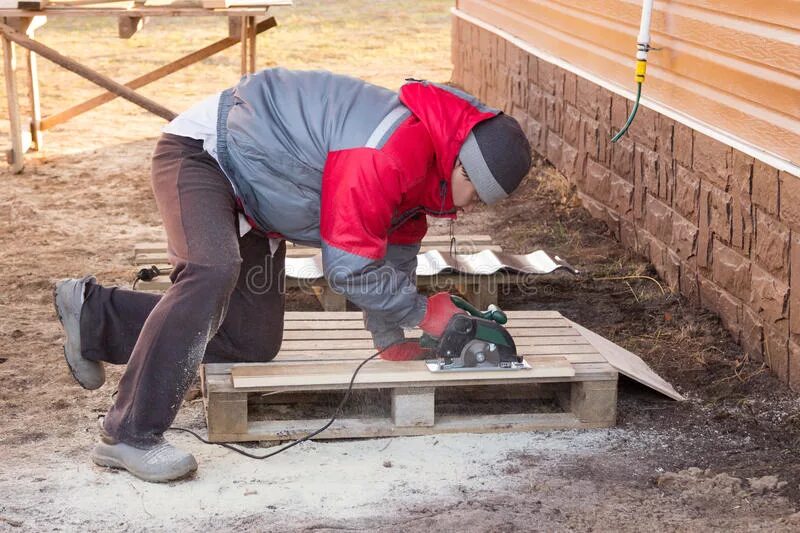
225, 304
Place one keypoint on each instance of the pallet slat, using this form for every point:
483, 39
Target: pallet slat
335, 344
349, 428
160, 246
356, 334
344, 316
277, 376
161, 258
580, 355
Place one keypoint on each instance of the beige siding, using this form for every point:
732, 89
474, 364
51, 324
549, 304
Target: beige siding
732, 64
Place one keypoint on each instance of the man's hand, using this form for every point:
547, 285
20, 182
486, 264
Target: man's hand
440, 310
405, 351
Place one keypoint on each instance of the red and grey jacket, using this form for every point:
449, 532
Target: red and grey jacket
355, 169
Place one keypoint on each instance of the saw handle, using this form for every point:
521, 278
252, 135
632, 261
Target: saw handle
492, 312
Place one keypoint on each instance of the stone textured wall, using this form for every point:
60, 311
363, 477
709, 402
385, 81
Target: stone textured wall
719, 226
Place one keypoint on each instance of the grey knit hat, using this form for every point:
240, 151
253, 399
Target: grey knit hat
496, 156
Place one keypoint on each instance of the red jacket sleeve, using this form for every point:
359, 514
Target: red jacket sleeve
361, 188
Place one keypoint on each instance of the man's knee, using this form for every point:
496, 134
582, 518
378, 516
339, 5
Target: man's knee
214, 280
261, 344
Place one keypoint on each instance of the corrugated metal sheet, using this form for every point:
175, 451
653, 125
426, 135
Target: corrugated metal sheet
733, 64
435, 262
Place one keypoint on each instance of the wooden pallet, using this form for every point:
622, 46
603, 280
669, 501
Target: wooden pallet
321, 350
480, 290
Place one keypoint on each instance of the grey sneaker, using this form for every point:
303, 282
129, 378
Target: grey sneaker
68, 299
160, 463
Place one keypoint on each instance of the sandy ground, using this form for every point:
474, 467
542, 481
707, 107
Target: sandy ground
726, 459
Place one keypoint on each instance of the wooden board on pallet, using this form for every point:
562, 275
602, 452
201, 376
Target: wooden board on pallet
320, 351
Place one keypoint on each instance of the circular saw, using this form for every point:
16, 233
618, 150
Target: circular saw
474, 341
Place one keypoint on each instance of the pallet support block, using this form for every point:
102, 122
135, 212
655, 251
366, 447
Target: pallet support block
413, 407
592, 402
330, 299
226, 413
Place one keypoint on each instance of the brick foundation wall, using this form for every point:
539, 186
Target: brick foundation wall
719, 226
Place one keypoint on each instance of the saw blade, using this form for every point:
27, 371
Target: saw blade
479, 353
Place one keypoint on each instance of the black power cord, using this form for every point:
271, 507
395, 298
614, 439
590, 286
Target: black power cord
149, 274
311, 435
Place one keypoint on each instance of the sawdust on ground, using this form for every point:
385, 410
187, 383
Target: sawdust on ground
725, 459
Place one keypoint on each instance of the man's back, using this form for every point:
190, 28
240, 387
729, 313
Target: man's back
298, 117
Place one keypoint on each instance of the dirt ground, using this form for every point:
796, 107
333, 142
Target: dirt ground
726, 459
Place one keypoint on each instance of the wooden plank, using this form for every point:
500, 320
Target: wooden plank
591, 370
144, 11
183, 62
157, 257
364, 334
523, 314
222, 4
366, 350
573, 356
312, 376
306, 325
87, 73
380, 427
361, 353
9, 69
431, 240
628, 363
341, 344
442, 281
77, 3
355, 316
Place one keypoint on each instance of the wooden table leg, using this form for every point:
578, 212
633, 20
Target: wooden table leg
17, 157
251, 44
33, 92
243, 39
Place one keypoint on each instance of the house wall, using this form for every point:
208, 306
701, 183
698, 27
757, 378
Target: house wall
719, 225
733, 64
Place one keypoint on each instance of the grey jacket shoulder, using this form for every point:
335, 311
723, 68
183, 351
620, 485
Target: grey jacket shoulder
306, 114
275, 129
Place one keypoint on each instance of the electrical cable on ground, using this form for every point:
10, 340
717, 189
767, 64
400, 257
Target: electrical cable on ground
285, 447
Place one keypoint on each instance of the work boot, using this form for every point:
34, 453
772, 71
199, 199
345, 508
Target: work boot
68, 298
159, 463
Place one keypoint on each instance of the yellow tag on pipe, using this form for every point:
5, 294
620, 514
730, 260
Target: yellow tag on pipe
641, 68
